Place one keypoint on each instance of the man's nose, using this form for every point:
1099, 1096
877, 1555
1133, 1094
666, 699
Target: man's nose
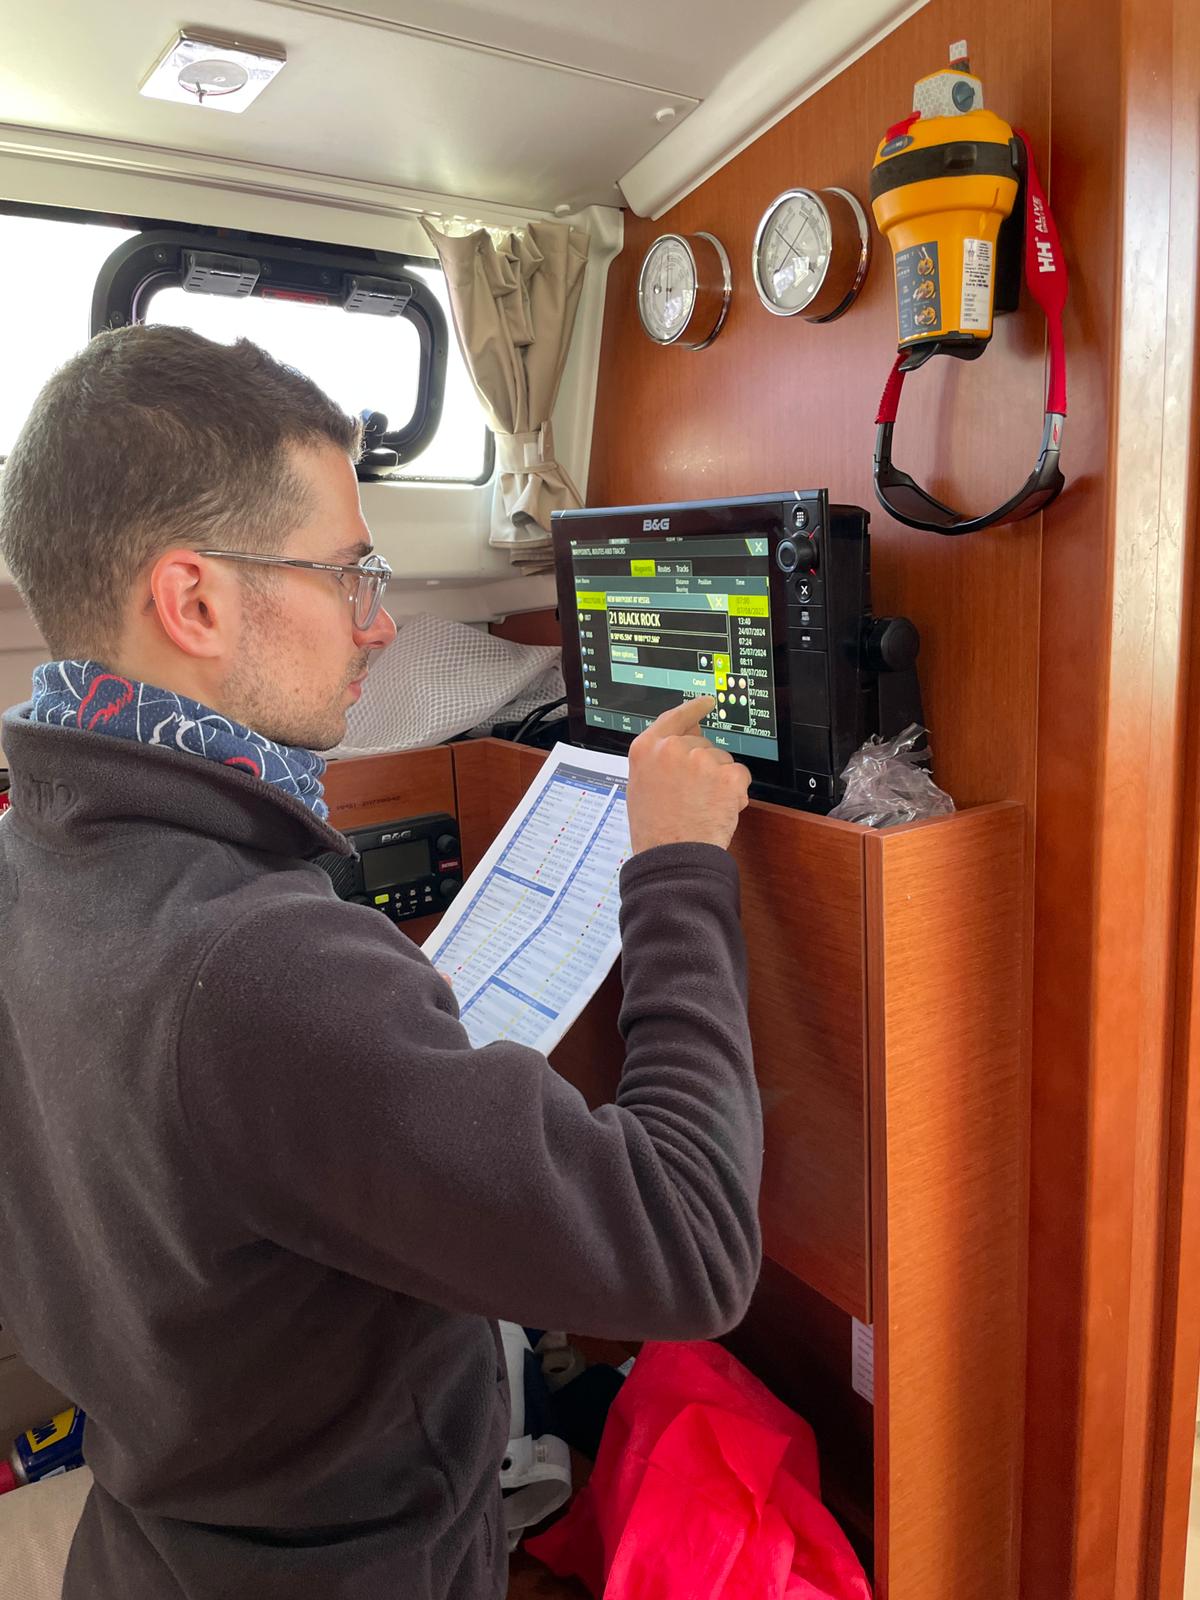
380, 634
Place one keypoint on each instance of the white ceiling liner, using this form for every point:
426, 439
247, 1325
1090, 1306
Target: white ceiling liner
817, 41
520, 105
359, 98
682, 45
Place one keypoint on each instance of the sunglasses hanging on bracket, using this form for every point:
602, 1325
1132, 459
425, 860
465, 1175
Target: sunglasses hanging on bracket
945, 280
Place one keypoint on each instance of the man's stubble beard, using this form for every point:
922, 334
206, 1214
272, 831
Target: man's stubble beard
255, 691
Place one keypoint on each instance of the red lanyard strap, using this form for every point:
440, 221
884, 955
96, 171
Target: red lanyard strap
1046, 276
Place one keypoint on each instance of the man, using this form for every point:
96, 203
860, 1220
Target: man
263, 1200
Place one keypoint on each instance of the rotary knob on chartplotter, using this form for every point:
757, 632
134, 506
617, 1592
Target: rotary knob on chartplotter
447, 845
799, 554
449, 887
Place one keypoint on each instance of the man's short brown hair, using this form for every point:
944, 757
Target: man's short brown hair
149, 438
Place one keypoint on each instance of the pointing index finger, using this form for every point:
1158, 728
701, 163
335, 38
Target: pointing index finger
683, 718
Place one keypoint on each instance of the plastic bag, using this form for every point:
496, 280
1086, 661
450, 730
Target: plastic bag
706, 1487
887, 782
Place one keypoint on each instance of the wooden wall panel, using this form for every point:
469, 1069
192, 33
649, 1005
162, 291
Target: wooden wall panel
802, 912
1177, 1356
529, 627
364, 791
778, 403
1110, 845
948, 963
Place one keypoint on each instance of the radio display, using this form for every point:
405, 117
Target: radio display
395, 863
662, 620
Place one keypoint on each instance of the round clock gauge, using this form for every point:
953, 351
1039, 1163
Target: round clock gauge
811, 254
684, 289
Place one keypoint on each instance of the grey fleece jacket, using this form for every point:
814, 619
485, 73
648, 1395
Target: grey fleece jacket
262, 1200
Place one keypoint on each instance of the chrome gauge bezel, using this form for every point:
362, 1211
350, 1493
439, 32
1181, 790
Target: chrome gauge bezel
678, 337
814, 197
655, 249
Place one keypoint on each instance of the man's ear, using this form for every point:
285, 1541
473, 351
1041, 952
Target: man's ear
198, 607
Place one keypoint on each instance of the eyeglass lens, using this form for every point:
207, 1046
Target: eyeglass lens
368, 596
366, 600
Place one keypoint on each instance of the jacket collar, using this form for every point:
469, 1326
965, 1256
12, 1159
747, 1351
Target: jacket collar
69, 788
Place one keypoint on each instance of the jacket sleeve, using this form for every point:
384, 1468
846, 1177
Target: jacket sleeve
331, 1092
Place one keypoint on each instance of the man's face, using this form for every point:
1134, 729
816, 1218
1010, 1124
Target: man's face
301, 660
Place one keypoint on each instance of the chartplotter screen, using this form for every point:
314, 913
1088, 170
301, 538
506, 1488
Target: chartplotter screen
662, 620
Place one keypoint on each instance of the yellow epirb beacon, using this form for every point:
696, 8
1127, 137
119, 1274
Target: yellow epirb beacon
943, 183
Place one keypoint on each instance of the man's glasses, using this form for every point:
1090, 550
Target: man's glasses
365, 581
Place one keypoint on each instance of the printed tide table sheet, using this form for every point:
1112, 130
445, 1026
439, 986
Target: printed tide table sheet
534, 930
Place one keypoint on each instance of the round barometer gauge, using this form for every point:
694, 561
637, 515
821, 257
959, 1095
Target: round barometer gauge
684, 289
811, 254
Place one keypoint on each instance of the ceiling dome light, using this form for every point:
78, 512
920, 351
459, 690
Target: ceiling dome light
214, 70
213, 77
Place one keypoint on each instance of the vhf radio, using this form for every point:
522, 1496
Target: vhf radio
762, 602
411, 868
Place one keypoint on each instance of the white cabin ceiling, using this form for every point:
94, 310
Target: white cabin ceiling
533, 105
521, 102
681, 46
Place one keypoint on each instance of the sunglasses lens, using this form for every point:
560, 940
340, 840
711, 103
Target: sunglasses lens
908, 500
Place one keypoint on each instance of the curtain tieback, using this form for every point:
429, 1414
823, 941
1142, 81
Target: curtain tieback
526, 452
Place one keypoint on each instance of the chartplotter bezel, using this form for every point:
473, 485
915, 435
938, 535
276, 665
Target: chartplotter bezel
817, 563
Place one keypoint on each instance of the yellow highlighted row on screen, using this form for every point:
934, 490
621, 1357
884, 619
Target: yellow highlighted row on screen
739, 605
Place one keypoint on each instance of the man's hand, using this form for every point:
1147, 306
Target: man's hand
682, 788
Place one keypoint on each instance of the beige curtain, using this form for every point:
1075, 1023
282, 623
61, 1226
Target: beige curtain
514, 298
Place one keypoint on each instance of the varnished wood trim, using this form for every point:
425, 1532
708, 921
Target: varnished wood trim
364, 791
949, 1089
1111, 741
1178, 1353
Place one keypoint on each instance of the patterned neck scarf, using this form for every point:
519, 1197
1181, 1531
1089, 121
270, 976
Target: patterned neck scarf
84, 694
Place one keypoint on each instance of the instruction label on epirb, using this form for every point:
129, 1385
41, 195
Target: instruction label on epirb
976, 285
918, 290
